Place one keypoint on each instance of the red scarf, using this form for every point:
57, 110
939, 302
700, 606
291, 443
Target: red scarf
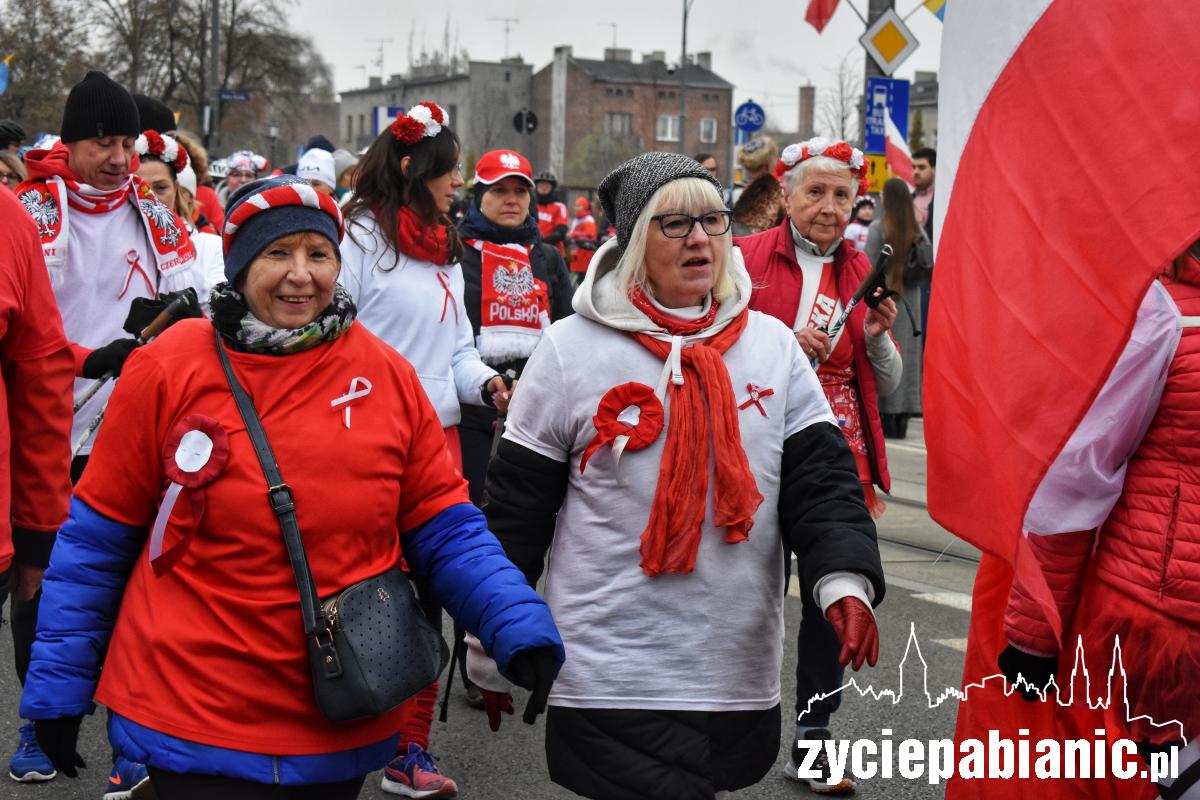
671, 324
419, 239
672, 536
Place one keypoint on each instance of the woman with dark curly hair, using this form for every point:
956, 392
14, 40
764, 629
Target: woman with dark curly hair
400, 264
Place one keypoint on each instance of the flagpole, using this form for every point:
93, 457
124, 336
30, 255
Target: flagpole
920, 4
855, 10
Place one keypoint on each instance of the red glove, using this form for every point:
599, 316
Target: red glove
495, 704
855, 626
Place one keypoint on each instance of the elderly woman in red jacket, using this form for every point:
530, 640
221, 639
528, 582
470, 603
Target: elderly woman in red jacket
804, 272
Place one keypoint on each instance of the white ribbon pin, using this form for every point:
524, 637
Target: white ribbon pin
356, 391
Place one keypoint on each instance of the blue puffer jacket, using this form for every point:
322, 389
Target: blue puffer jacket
453, 553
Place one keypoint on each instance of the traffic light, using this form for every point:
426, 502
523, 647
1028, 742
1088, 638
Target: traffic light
525, 121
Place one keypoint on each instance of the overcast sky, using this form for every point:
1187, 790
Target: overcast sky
763, 47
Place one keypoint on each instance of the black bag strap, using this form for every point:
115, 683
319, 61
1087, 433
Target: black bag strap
279, 495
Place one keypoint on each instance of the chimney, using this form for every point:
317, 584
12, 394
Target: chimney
704, 59
619, 54
653, 56
808, 106
562, 49
375, 82
396, 79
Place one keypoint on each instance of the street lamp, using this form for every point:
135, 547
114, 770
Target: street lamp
273, 135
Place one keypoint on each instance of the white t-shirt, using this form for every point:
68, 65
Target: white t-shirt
417, 308
88, 286
711, 640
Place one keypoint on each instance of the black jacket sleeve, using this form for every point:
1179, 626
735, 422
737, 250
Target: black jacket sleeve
523, 494
557, 235
822, 514
561, 290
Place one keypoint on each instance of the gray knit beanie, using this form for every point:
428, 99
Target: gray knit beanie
625, 191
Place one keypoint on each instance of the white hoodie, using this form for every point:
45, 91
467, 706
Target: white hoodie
711, 640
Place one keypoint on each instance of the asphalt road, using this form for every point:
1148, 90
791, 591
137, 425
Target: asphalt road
929, 574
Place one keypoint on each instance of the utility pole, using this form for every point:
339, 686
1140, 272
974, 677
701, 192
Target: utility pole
875, 10
214, 80
508, 23
683, 65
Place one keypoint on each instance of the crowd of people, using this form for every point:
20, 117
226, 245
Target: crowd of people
290, 383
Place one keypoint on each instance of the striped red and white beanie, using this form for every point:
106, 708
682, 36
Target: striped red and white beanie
265, 210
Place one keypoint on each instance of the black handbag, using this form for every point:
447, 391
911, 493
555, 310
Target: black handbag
370, 647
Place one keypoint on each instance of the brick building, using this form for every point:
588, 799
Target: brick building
595, 113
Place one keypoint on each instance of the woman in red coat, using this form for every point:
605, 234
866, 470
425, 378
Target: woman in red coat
804, 273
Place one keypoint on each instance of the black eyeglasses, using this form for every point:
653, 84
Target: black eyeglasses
9, 177
679, 226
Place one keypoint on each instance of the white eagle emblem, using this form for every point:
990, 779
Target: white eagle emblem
510, 160
162, 218
514, 282
43, 212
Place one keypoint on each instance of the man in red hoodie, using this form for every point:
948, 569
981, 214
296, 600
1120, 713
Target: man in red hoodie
106, 241
35, 396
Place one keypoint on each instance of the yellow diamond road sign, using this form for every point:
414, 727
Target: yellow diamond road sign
889, 41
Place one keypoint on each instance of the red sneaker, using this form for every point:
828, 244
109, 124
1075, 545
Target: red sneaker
415, 775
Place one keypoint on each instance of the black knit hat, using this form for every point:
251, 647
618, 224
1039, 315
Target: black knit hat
154, 116
98, 106
625, 191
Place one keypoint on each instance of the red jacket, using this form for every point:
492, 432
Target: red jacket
35, 395
771, 261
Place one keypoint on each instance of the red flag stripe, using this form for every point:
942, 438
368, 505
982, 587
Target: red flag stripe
820, 12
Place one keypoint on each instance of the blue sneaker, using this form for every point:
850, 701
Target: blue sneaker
126, 776
29, 764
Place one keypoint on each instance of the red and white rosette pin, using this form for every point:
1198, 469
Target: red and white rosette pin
629, 417
195, 453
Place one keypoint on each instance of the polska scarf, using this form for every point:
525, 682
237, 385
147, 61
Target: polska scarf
702, 407
417, 239
236, 324
53, 193
514, 306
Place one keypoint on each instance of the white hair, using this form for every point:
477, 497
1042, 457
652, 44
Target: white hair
688, 196
830, 166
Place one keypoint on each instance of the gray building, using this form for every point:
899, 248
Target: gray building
482, 100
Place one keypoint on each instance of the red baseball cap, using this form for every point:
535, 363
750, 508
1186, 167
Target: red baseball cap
498, 164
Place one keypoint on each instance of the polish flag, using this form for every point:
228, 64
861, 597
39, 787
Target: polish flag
899, 159
820, 12
1063, 187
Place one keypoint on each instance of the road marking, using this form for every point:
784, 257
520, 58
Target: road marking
954, 644
902, 445
951, 599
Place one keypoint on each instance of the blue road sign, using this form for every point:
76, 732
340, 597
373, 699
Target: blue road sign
233, 95
890, 94
749, 117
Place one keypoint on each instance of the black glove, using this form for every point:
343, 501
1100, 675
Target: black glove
58, 739
534, 670
145, 310
1037, 670
109, 358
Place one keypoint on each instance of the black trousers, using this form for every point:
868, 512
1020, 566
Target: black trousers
817, 667
190, 786
23, 617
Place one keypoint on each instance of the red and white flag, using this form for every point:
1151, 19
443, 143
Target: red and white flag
899, 159
1063, 187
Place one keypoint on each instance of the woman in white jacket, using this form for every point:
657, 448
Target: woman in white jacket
400, 264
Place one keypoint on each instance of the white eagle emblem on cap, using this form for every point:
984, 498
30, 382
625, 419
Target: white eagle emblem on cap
510, 160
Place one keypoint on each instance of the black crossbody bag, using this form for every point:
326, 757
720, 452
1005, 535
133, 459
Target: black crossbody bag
369, 646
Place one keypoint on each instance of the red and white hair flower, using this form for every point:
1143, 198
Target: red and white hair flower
162, 147
797, 153
422, 120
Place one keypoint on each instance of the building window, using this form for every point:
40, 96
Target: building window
507, 76
349, 126
668, 128
362, 124
618, 123
708, 130
608, 90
